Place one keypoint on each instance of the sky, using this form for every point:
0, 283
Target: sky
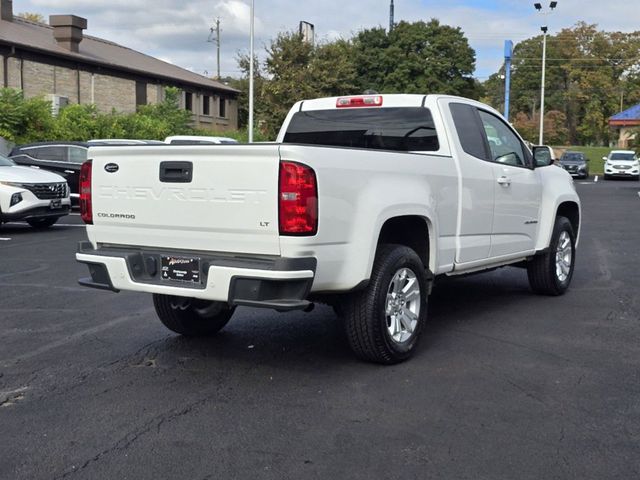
177, 31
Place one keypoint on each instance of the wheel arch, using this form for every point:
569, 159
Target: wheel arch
413, 231
571, 211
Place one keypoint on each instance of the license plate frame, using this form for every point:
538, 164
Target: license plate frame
55, 204
181, 269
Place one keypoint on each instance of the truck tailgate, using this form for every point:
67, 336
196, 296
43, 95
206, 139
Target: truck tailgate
206, 198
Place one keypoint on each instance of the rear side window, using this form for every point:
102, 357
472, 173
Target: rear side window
401, 129
469, 130
58, 154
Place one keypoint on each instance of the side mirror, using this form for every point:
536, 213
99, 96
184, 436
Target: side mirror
605, 158
543, 156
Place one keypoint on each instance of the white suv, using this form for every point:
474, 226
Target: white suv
36, 196
621, 163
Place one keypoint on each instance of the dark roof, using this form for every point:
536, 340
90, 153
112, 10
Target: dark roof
630, 115
39, 37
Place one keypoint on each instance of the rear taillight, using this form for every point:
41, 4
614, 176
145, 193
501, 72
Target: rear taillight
298, 199
86, 210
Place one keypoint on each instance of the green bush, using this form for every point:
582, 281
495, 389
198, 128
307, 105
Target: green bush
22, 120
30, 120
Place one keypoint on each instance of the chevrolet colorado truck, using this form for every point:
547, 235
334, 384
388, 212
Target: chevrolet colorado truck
361, 203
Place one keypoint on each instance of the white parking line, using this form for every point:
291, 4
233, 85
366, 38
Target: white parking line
595, 180
8, 239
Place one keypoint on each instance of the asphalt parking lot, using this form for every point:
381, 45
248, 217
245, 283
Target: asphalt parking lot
506, 384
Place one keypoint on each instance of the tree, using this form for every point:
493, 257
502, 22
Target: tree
33, 17
588, 72
295, 70
415, 58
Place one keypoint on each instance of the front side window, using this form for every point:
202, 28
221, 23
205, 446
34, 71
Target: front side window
400, 129
505, 146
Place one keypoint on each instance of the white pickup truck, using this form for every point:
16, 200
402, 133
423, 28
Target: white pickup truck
361, 203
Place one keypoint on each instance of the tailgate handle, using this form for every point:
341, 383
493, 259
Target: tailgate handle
176, 172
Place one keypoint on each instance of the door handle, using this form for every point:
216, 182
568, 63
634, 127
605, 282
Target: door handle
69, 171
176, 172
504, 181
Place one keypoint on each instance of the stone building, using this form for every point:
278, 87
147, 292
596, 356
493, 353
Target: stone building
627, 126
58, 61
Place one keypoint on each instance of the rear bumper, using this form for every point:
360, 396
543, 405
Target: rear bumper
260, 281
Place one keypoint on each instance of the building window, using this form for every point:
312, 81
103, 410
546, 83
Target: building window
188, 101
206, 105
141, 93
222, 108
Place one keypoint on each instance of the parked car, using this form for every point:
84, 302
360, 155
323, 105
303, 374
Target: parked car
63, 158
198, 140
362, 204
621, 163
37, 197
576, 163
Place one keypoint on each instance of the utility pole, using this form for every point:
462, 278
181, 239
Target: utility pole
214, 37
251, 40
391, 15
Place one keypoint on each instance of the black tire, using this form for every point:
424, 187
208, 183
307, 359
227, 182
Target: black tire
190, 316
44, 222
365, 312
607, 177
544, 276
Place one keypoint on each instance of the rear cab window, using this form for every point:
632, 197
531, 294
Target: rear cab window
404, 129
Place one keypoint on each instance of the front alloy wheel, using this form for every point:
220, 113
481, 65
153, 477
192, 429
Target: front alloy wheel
550, 273
564, 256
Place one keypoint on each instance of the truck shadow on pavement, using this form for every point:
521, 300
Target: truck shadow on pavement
303, 340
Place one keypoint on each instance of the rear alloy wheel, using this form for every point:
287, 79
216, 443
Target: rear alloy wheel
550, 273
384, 321
192, 316
44, 222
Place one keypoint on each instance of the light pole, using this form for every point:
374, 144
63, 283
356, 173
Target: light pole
544, 28
251, 34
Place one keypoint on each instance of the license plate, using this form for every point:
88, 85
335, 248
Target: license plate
181, 269
55, 204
